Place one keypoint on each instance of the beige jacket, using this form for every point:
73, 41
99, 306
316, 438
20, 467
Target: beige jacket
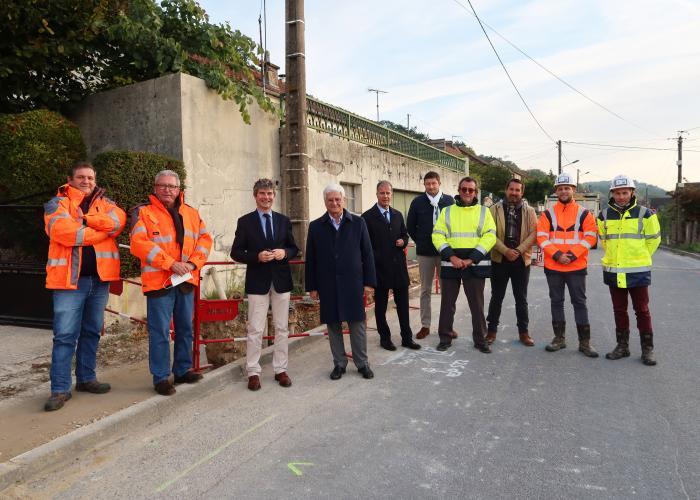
528, 232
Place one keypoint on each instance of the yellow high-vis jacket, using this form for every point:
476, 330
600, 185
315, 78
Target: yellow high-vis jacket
629, 239
467, 232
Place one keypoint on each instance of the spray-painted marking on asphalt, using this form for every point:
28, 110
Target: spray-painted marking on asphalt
437, 361
296, 470
211, 455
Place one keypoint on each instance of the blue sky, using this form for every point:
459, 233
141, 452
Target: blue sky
640, 58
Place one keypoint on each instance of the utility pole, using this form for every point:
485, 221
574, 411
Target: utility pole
377, 91
408, 122
296, 159
559, 148
679, 186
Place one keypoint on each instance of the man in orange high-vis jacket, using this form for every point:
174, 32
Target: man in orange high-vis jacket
172, 242
82, 225
565, 233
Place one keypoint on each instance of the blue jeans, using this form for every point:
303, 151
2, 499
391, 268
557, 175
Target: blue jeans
78, 316
179, 307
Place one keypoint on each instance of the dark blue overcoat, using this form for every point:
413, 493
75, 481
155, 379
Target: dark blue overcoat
339, 264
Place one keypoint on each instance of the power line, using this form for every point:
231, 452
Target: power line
601, 106
616, 146
508, 75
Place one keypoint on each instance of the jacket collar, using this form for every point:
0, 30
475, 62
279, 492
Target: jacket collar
460, 203
632, 204
347, 216
73, 194
156, 202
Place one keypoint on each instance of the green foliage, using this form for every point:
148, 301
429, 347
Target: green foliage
36, 150
492, 179
603, 187
128, 178
411, 132
538, 185
53, 54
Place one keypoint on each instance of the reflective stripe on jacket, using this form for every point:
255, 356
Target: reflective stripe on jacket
69, 229
467, 233
154, 242
629, 240
566, 228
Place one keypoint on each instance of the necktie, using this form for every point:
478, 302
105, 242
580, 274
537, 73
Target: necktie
268, 230
386, 216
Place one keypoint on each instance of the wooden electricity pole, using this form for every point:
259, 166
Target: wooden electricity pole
294, 146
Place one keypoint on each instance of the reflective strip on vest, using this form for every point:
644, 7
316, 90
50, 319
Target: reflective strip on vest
191, 234
80, 236
622, 236
439, 231
152, 254
185, 257
59, 216
482, 219
639, 269
465, 235
162, 239
137, 230
652, 236
117, 225
447, 221
200, 248
57, 262
553, 216
542, 233
584, 243
589, 233
150, 269
202, 231
545, 243
481, 249
443, 246
75, 265
640, 224
107, 255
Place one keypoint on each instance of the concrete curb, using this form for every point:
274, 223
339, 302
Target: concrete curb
681, 252
69, 447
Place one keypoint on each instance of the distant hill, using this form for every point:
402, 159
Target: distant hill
603, 187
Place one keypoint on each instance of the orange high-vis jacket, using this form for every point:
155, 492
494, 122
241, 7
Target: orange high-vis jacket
69, 229
566, 228
154, 242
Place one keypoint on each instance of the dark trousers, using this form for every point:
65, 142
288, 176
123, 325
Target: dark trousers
381, 301
576, 283
640, 303
519, 274
474, 290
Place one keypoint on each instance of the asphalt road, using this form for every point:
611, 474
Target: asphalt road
518, 423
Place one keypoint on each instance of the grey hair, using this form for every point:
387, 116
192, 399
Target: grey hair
166, 173
384, 183
333, 188
263, 184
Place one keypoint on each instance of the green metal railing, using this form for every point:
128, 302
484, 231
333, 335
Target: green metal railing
327, 118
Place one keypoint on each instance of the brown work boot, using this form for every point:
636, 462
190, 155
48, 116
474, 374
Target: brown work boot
253, 383
558, 342
93, 386
490, 338
526, 339
424, 332
648, 357
453, 334
57, 400
189, 377
164, 388
622, 349
584, 341
283, 379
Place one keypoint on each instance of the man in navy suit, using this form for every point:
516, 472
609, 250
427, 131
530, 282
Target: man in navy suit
389, 238
264, 242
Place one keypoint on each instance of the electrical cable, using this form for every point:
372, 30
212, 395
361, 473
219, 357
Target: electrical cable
615, 146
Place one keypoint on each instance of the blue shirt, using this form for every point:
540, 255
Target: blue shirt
262, 222
336, 225
383, 211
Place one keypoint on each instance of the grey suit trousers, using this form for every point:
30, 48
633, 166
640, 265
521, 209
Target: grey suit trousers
358, 343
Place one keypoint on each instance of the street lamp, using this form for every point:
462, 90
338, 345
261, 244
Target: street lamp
570, 163
578, 170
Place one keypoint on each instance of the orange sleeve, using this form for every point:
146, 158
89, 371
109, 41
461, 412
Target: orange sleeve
543, 228
590, 236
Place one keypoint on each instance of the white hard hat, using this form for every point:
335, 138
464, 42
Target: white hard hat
564, 180
622, 181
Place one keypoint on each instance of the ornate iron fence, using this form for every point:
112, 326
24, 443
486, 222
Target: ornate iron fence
327, 118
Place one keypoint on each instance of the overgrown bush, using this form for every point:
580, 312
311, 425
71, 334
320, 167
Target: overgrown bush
128, 177
36, 150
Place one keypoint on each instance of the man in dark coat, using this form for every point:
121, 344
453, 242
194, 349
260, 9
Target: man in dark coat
339, 269
389, 238
264, 241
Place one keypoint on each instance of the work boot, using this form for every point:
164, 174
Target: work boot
93, 386
57, 400
584, 341
558, 342
648, 357
622, 349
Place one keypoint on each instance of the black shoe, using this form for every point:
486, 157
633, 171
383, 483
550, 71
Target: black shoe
164, 388
443, 347
410, 345
93, 386
483, 348
389, 346
189, 377
366, 372
337, 372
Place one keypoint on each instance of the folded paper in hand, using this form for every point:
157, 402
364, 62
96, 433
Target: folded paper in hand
176, 280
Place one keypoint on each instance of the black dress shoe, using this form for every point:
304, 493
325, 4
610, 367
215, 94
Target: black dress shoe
389, 346
410, 345
366, 372
443, 347
483, 348
337, 372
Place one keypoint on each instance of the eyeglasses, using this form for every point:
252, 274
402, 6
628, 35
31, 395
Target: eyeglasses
170, 187
467, 190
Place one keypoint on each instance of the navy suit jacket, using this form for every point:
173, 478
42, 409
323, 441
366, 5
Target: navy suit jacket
250, 241
389, 260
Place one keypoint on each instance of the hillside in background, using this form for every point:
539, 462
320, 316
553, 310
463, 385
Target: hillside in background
603, 187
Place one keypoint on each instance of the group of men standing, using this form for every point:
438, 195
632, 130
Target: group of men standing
347, 256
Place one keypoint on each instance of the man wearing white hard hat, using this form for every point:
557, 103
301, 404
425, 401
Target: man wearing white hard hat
629, 234
565, 233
